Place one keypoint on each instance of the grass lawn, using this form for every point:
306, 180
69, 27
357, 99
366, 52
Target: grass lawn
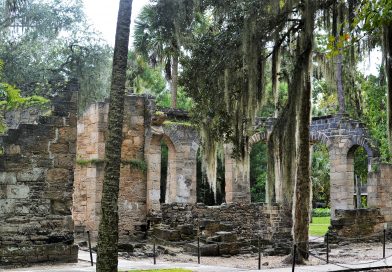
319, 226
163, 270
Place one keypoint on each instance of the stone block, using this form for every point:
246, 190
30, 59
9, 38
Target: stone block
205, 249
30, 175
7, 178
57, 175
18, 191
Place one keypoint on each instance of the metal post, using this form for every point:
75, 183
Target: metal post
327, 248
383, 244
294, 255
154, 252
258, 244
89, 247
198, 250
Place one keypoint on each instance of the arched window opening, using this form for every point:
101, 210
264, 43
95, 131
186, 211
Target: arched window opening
258, 171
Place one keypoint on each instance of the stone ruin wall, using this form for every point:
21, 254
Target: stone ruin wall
142, 137
247, 221
379, 190
92, 129
36, 180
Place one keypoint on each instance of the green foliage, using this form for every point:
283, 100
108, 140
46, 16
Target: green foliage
83, 162
184, 102
360, 164
178, 123
44, 44
145, 79
320, 174
373, 14
321, 212
258, 171
10, 99
375, 112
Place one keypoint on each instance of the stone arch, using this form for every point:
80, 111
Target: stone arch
257, 137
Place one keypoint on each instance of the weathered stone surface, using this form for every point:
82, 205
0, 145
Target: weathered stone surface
223, 226
34, 228
205, 249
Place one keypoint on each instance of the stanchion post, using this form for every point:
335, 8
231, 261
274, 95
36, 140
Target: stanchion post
198, 249
154, 253
294, 255
383, 243
89, 248
327, 248
258, 245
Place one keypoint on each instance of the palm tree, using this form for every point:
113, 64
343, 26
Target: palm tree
108, 228
159, 33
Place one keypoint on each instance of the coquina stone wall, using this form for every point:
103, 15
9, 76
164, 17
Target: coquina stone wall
36, 183
92, 130
141, 188
247, 221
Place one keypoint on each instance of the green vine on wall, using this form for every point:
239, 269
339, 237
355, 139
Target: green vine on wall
136, 164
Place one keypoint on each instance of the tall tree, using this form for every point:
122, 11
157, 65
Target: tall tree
107, 254
380, 23
160, 32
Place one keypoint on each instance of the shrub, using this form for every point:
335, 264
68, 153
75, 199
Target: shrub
321, 212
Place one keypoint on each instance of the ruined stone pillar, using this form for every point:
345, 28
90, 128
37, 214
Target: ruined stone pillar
341, 176
379, 190
153, 158
236, 177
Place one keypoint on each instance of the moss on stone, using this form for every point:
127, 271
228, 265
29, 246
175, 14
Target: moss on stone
83, 162
136, 164
178, 123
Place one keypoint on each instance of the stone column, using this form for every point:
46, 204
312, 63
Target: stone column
341, 176
380, 190
236, 177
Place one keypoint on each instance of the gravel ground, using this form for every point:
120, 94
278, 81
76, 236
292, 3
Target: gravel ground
341, 254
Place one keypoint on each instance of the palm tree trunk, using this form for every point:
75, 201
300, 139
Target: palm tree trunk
108, 228
174, 83
387, 44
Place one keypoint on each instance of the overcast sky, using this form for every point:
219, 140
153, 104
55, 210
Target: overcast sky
103, 15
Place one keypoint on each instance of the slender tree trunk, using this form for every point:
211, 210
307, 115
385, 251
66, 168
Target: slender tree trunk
339, 82
387, 44
275, 77
108, 228
174, 83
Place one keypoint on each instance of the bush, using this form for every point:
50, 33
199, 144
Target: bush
321, 212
